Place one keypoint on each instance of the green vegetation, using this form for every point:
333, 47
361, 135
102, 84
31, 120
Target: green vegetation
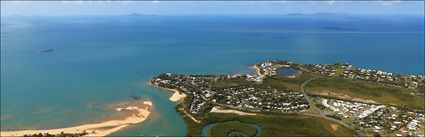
230, 83
320, 106
278, 82
335, 116
348, 89
285, 82
334, 81
223, 128
272, 125
58, 135
339, 72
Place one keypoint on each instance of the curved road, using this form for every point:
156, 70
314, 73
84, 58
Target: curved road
322, 114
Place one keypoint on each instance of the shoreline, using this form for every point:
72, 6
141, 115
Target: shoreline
217, 109
140, 114
258, 71
177, 95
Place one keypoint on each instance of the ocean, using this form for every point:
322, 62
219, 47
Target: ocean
101, 60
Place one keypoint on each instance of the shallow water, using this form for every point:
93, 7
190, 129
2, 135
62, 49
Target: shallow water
102, 60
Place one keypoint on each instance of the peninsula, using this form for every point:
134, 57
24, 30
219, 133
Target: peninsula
287, 98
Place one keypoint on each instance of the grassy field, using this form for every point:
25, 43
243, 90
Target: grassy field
283, 82
350, 89
274, 125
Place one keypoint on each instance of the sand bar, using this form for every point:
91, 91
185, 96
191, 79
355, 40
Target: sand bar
217, 109
96, 129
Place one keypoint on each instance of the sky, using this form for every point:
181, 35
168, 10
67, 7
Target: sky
62, 8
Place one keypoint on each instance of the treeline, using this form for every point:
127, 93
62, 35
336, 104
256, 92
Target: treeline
58, 135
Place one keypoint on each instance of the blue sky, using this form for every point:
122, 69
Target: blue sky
59, 8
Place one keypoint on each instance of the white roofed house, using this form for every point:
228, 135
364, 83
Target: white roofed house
413, 85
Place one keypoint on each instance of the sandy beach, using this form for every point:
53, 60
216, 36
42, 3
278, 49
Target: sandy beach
177, 96
140, 113
217, 109
258, 71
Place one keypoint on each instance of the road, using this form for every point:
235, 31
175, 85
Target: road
322, 114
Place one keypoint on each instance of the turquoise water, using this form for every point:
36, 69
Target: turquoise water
101, 60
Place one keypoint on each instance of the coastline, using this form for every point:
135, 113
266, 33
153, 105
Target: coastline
175, 98
177, 95
140, 114
217, 109
258, 71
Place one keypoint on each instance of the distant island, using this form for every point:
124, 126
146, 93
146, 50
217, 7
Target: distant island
317, 14
138, 14
48, 50
287, 98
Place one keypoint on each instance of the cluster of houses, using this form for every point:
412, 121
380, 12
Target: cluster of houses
375, 119
324, 69
201, 95
197, 104
378, 119
353, 110
261, 100
192, 85
393, 121
348, 71
270, 68
417, 82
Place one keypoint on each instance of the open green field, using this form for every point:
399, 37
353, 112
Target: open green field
285, 82
272, 125
364, 91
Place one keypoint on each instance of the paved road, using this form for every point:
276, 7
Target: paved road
322, 114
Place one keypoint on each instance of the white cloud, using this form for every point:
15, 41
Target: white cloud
388, 3
72, 2
155, 1
126, 2
339, 2
79, 2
